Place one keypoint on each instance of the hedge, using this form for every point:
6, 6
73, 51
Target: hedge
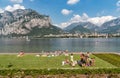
34, 72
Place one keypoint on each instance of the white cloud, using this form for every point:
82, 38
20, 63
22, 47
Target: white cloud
71, 2
64, 24
100, 20
14, 7
78, 18
85, 18
75, 18
1, 10
16, 1
66, 11
118, 3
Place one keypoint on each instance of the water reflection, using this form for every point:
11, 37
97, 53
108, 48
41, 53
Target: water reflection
52, 44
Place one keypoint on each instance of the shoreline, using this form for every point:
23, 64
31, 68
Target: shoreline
63, 53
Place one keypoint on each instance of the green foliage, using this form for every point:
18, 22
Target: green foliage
35, 72
9, 65
29, 64
44, 31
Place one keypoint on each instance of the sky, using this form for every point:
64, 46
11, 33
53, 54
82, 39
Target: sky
65, 12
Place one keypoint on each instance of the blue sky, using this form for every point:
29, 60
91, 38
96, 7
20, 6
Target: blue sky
65, 12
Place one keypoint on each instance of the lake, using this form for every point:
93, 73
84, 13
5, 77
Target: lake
52, 44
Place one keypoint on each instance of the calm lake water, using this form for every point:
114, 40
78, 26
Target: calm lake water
52, 44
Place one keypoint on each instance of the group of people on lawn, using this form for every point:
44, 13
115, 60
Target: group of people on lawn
85, 60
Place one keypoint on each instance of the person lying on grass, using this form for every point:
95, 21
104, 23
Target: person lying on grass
66, 61
20, 54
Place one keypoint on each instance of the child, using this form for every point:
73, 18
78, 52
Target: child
71, 58
65, 62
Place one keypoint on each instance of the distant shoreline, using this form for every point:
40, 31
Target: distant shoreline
68, 35
68, 53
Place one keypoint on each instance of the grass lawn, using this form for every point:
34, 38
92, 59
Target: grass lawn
30, 61
111, 58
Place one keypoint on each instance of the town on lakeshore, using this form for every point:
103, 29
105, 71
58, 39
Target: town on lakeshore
67, 35
77, 35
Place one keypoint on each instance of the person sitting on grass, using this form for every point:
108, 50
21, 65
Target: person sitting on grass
73, 63
66, 61
88, 61
92, 61
20, 54
82, 61
85, 60
87, 54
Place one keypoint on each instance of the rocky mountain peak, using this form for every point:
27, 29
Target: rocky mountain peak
22, 21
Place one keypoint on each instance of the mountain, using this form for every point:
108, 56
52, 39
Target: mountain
71, 26
86, 26
45, 31
109, 27
79, 29
29, 22
112, 26
111, 30
26, 22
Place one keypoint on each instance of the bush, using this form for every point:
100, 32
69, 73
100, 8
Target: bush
34, 72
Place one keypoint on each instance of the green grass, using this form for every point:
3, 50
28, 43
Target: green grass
30, 61
111, 58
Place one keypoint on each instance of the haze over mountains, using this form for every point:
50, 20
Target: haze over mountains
29, 22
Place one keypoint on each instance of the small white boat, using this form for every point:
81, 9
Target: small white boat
27, 38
